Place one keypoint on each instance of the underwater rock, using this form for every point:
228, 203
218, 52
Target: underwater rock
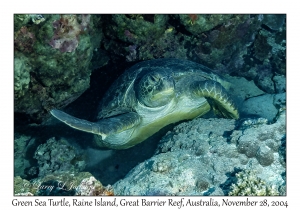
172, 171
243, 88
92, 187
195, 135
23, 187
57, 156
220, 41
266, 84
242, 45
262, 106
181, 179
280, 100
274, 21
21, 76
62, 184
263, 140
265, 155
21, 20
55, 78
248, 146
280, 83
197, 23
217, 41
22, 145
140, 37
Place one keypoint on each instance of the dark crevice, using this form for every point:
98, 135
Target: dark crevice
180, 28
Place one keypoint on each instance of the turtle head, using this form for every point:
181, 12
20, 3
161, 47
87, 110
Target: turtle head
155, 89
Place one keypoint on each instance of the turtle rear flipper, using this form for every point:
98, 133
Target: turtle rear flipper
103, 127
221, 101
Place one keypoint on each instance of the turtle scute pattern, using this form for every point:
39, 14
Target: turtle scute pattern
153, 94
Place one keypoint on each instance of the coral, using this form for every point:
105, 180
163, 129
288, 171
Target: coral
67, 31
21, 20
45, 77
201, 23
193, 17
55, 156
22, 146
24, 40
258, 139
92, 187
220, 41
179, 168
155, 192
24, 194
202, 184
161, 166
23, 187
63, 184
145, 37
22, 70
265, 155
248, 184
197, 138
37, 18
280, 83
274, 22
266, 58
262, 48
166, 45
202, 148
139, 28
132, 53
55, 188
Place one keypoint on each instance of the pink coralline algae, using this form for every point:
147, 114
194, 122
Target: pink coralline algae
24, 40
67, 31
132, 53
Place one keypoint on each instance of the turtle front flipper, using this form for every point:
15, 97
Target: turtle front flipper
218, 95
103, 127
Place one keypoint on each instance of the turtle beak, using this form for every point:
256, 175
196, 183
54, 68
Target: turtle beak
162, 94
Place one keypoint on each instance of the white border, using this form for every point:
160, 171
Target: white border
153, 6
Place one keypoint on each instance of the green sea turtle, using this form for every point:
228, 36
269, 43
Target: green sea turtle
151, 95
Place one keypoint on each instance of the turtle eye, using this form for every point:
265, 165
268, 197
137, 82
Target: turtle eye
155, 89
154, 78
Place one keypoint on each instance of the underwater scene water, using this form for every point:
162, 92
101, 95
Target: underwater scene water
149, 104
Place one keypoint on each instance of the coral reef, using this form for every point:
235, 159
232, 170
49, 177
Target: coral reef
59, 57
67, 31
62, 184
196, 139
24, 40
235, 44
23, 187
21, 76
44, 76
59, 50
261, 140
248, 184
220, 41
228, 149
92, 187
274, 22
143, 37
266, 59
57, 156
22, 146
